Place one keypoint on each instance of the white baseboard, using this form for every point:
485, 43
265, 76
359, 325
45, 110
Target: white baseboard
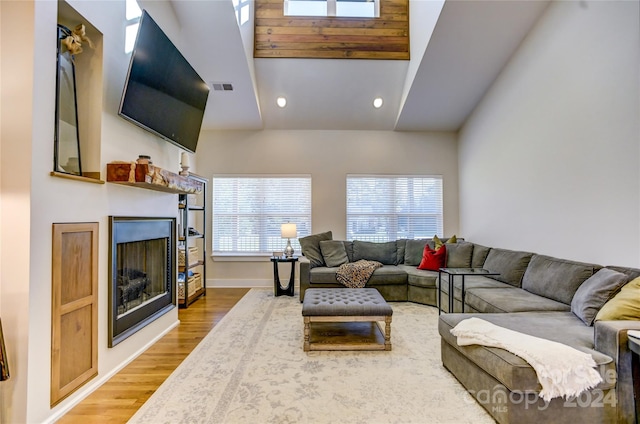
243, 283
90, 388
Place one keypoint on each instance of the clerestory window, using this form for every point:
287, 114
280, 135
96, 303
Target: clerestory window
333, 8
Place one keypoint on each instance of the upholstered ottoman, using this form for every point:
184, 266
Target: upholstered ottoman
346, 305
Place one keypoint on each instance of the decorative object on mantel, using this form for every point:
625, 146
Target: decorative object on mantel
184, 163
144, 160
151, 177
75, 38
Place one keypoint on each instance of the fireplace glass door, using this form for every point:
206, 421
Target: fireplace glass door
142, 273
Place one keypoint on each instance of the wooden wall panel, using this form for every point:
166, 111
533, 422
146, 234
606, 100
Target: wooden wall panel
386, 37
74, 307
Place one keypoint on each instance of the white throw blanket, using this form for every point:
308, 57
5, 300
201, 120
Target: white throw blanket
562, 370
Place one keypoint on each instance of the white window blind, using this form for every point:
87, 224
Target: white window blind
385, 208
249, 210
337, 8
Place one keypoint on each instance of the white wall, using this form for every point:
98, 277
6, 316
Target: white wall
17, 29
32, 200
549, 161
328, 156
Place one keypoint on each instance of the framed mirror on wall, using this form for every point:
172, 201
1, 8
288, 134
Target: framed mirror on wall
66, 138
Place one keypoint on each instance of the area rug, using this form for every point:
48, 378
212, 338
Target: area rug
251, 369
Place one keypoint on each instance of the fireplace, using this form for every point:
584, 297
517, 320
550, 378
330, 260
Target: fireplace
142, 272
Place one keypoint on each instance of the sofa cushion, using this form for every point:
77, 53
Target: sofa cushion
385, 253
311, 247
623, 306
479, 255
595, 292
494, 300
433, 260
471, 282
510, 264
323, 275
387, 275
333, 252
557, 279
459, 254
413, 251
419, 277
511, 370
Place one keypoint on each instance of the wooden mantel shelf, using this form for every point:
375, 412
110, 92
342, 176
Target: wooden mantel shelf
151, 177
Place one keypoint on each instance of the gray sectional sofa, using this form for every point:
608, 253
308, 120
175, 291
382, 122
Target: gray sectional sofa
534, 294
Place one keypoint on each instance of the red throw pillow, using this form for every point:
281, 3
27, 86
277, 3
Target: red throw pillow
433, 260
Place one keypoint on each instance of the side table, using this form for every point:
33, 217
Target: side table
278, 290
452, 272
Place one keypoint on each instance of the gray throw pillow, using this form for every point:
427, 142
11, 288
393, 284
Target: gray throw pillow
595, 292
333, 252
311, 247
384, 253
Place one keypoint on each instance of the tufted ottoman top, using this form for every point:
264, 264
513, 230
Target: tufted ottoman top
345, 302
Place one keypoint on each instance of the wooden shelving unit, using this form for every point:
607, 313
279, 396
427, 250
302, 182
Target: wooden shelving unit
192, 239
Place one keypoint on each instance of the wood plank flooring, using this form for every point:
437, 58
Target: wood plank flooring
119, 398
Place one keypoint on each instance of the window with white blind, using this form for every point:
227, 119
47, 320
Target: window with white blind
249, 210
389, 207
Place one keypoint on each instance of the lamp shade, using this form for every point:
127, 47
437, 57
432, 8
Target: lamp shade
288, 230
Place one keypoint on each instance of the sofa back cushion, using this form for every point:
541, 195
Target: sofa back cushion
480, 253
459, 254
632, 273
510, 264
413, 250
311, 248
385, 253
556, 279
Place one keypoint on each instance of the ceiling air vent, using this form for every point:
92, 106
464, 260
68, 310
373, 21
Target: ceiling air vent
222, 86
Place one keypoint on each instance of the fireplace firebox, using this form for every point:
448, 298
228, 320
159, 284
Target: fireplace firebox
142, 273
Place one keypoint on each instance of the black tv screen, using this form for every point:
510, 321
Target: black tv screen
163, 93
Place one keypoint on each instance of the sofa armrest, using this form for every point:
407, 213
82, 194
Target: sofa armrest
610, 338
305, 267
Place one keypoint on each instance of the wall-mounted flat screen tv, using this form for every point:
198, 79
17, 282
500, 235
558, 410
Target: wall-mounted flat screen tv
163, 93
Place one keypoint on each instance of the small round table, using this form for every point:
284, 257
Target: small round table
278, 290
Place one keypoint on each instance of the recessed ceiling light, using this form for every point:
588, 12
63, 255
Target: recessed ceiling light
377, 102
281, 101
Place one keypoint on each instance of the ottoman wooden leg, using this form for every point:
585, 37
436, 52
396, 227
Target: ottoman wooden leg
387, 333
307, 332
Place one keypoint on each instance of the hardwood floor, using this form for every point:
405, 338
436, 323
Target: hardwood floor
119, 398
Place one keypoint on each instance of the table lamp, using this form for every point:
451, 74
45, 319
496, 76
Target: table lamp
288, 231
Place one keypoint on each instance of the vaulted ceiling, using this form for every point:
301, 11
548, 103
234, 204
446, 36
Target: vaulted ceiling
458, 48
